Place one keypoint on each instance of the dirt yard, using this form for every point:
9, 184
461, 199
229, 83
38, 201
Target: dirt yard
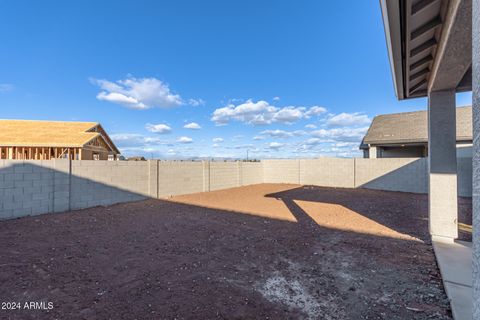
258, 252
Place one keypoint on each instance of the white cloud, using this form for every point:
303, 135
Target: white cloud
261, 113
243, 146
258, 138
237, 137
347, 144
275, 145
313, 141
196, 102
6, 87
140, 93
217, 140
158, 128
215, 145
341, 134
289, 114
133, 139
348, 119
192, 125
251, 112
327, 147
315, 111
153, 146
121, 99
311, 126
185, 140
137, 144
282, 133
276, 99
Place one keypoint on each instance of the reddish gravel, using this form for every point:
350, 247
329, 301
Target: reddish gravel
265, 252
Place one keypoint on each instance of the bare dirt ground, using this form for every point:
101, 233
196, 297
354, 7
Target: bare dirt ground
258, 252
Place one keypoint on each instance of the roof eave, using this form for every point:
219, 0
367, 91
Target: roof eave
385, 142
404, 141
392, 25
110, 143
99, 135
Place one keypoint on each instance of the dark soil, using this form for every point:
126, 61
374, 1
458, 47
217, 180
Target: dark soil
258, 252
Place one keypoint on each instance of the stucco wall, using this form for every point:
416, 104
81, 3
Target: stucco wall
464, 150
476, 155
464, 177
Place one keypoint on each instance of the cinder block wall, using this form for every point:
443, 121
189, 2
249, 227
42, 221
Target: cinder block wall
183, 177
328, 172
224, 175
281, 171
35, 187
103, 183
394, 174
251, 173
179, 177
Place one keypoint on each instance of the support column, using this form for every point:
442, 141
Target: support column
476, 155
372, 152
442, 159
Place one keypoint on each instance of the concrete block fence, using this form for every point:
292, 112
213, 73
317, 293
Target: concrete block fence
40, 186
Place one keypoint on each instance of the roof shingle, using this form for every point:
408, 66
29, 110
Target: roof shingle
412, 127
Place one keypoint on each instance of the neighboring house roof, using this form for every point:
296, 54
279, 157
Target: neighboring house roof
137, 158
412, 127
35, 133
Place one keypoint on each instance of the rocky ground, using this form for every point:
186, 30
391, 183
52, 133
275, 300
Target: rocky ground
258, 252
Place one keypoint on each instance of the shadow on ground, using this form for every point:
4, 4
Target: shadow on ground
158, 259
405, 213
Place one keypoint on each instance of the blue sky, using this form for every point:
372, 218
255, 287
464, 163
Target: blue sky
179, 79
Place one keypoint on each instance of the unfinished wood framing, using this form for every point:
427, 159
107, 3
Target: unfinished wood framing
45, 140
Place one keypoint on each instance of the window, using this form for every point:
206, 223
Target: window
96, 156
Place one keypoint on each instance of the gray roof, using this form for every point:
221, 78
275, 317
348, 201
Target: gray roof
412, 127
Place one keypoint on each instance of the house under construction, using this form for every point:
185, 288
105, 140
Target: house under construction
45, 140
